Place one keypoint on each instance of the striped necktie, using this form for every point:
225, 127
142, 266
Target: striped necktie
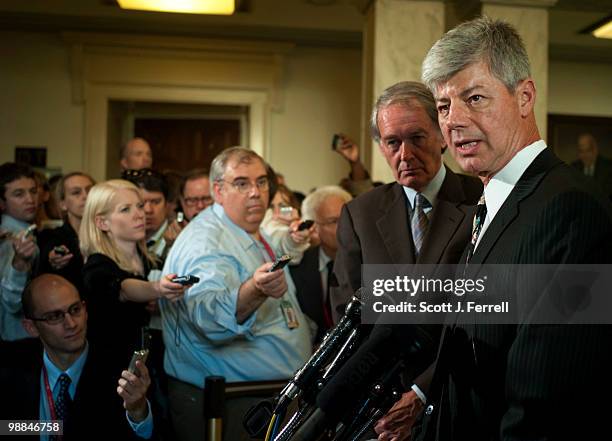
479, 219
419, 222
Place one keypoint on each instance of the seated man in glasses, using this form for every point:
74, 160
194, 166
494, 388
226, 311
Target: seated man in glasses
240, 321
195, 193
59, 377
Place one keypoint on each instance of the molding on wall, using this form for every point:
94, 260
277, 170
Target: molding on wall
269, 56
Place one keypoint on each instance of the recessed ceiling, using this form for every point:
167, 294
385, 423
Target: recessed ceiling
308, 22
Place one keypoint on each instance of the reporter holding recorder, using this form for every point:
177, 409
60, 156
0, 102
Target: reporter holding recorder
240, 321
112, 238
59, 248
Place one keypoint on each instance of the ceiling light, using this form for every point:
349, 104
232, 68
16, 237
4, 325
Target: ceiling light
604, 31
221, 7
601, 29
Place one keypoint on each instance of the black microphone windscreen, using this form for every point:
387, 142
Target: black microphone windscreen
386, 344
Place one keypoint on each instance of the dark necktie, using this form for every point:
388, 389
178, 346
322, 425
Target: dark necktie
419, 222
327, 312
63, 402
479, 219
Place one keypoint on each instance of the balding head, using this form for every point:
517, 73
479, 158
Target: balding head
587, 149
56, 314
136, 155
41, 285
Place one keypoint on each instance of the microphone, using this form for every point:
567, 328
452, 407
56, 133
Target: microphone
330, 345
386, 345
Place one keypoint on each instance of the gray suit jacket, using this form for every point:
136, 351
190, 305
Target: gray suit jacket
375, 229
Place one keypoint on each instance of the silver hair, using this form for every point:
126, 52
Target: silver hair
241, 154
314, 200
495, 42
405, 93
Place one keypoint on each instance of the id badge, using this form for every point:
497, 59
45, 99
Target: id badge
289, 314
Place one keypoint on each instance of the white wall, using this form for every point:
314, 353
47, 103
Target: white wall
322, 97
35, 100
580, 88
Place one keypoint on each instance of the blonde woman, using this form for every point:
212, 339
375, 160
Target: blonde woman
112, 239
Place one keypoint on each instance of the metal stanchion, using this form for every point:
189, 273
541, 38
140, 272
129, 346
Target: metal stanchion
214, 407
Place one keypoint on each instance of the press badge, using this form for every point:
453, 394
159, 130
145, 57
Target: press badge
289, 314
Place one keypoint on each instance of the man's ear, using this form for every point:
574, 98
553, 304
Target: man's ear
123, 163
217, 186
526, 94
101, 223
30, 327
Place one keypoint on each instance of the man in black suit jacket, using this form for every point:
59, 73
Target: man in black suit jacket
56, 315
312, 276
592, 164
375, 228
519, 381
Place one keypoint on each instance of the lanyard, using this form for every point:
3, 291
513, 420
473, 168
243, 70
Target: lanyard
268, 249
50, 400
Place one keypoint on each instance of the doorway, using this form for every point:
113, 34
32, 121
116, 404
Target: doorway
182, 136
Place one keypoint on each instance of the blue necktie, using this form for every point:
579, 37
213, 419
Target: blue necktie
419, 222
62, 402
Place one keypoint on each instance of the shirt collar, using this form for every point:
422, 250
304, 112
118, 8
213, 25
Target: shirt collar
9, 223
430, 191
159, 233
502, 183
324, 259
74, 371
244, 238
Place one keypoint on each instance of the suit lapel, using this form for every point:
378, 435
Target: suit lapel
525, 186
445, 219
393, 225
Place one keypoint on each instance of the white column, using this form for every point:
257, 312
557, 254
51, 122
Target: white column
397, 36
530, 18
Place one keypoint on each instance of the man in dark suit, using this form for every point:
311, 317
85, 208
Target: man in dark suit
592, 164
313, 276
64, 379
384, 225
526, 380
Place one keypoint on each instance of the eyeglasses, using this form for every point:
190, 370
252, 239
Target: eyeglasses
327, 222
245, 186
192, 202
57, 317
131, 174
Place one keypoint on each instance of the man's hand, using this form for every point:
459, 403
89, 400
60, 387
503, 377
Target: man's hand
58, 261
25, 250
133, 390
396, 425
172, 232
270, 284
348, 149
299, 237
257, 289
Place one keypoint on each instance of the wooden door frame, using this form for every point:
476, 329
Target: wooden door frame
96, 114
